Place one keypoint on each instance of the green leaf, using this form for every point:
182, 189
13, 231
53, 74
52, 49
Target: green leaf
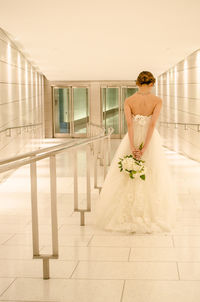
141, 145
142, 176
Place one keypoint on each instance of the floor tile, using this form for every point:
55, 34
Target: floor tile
16, 252
132, 241
126, 270
91, 253
165, 254
189, 271
4, 237
68, 240
5, 283
15, 219
161, 291
12, 228
33, 268
187, 230
187, 241
64, 290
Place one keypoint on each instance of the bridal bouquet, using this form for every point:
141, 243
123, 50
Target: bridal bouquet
134, 167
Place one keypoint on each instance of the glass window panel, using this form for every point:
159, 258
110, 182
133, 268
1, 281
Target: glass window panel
80, 104
62, 110
110, 103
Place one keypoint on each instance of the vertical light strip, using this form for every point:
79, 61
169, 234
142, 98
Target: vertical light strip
27, 113
175, 94
185, 78
197, 78
168, 96
32, 92
19, 86
36, 90
9, 71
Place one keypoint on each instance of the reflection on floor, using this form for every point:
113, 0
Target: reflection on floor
97, 266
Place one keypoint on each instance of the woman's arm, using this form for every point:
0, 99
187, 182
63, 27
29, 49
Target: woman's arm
152, 124
129, 121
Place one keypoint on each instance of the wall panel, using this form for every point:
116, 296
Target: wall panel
21, 100
179, 87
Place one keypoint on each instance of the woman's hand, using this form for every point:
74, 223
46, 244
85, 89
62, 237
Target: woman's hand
136, 153
141, 152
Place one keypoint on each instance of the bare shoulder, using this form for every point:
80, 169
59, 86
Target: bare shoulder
130, 99
152, 98
127, 100
158, 99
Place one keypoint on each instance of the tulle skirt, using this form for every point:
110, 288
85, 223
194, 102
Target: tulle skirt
136, 205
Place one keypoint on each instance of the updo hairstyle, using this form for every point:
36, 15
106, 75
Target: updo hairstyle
145, 77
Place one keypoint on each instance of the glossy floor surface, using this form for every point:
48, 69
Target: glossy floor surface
97, 266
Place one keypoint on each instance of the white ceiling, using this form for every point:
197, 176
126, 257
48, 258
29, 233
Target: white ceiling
105, 39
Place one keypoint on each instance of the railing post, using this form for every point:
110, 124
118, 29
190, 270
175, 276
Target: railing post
87, 130
75, 181
101, 152
53, 205
88, 178
45, 268
35, 233
104, 158
8, 132
109, 147
95, 164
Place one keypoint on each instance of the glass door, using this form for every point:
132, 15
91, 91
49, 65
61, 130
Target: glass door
80, 111
110, 103
125, 93
71, 111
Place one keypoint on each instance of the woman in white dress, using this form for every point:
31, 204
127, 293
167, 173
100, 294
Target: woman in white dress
136, 205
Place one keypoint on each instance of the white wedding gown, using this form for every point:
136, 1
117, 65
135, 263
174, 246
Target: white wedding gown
136, 205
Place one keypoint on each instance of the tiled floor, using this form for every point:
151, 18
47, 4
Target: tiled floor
97, 266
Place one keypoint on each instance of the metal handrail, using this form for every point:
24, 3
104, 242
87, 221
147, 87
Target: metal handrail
91, 125
51, 152
183, 124
19, 127
29, 157
96, 125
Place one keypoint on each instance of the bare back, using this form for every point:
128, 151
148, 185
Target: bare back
142, 104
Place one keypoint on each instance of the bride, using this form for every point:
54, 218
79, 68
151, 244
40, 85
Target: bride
136, 205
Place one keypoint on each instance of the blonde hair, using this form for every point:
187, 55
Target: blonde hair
145, 77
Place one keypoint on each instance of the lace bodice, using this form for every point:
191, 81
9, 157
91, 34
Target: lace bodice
141, 119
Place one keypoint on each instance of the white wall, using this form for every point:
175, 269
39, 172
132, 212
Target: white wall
179, 87
21, 100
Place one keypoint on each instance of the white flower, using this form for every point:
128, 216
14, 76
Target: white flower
135, 166
128, 163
